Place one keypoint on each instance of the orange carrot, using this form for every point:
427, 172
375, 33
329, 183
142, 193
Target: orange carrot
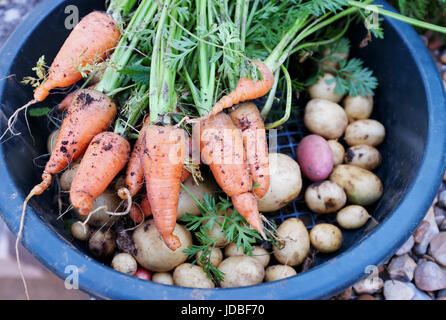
90, 41
221, 145
90, 112
246, 90
104, 158
141, 211
248, 119
163, 158
66, 102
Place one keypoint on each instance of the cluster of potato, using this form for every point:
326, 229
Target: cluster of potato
340, 177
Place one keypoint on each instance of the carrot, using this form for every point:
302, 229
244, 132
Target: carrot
135, 172
66, 102
89, 42
246, 90
106, 155
221, 145
248, 119
141, 211
163, 157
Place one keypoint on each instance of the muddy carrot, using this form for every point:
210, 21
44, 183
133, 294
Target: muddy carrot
221, 145
248, 119
163, 157
91, 41
104, 158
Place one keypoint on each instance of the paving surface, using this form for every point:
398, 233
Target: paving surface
42, 284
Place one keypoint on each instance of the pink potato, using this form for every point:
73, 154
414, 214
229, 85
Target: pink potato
315, 157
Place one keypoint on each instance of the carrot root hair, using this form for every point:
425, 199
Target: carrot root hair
13, 119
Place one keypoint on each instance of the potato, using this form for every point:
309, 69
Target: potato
241, 271
233, 251
151, 251
363, 156
101, 218
325, 118
163, 278
216, 232
80, 231
352, 217
358, 108
295, 242
326, 237
191, 276
278, 272
325, 197
369, 132
102, 243
258, 253
315, 157
67, 177
338, 151
324, 90
362, 187
333, 63
125, 263
52, 139
215, 258
185, 203
261, 255
285, 183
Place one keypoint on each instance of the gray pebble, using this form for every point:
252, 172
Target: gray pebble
437, 248
368, 285
419, 295
398, 290
406, 247
402, 268
440, 215
442, 199
425, 232
429, 276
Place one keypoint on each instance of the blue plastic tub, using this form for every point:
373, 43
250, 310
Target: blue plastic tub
410, 102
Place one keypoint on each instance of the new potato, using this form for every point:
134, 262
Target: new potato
369, 132
352, 217
325, 197
285, 183
151, 251
241, 271
163, 278
278, 272
215, 258
191, 276
337, 150
324, 88
358, 108
363, 156
315, 157
326, 237
185, 203
362, 187
325, 118
100, 218
295, 242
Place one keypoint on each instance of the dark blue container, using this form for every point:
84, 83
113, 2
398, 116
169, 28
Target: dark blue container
410, 102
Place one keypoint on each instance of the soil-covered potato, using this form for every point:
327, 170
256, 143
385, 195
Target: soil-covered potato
259, 253
325, 118
125, 263
215, 258
101, 218
362, 186
295, 242
102, 243
151, 251
163, 278
241, 271
191, 276
324, 88
337, 150
369, 132
363, 156
278, 272
352, 217
326, 237
185, 203
285, 183
325, 197
358, 108
67, 177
